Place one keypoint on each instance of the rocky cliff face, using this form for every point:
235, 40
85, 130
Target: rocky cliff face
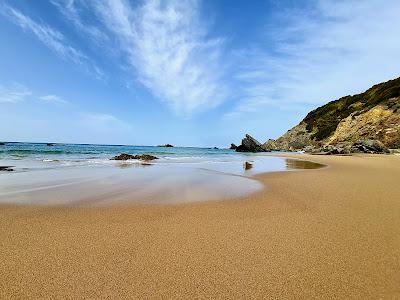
250, 144
379, 123
372, 115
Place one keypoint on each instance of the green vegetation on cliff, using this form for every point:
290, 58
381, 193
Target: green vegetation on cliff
372, 115
323, 121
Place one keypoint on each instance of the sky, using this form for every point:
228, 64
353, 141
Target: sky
188, 73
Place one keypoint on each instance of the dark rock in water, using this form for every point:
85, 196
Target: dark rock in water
250, 144
247, 165
233, 147
125, 156
369, 146
50, 144
2, 144
146, 157
242, 148
6, 168
166, 145
215, 148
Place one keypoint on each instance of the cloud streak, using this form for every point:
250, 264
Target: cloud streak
69, 9
102, 122
52, 99
332, 49
51, 38
14, 93
166, 44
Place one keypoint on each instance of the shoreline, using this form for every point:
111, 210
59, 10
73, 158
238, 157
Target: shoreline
324, 233
129, 182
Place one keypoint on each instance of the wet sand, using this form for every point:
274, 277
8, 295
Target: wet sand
332, 233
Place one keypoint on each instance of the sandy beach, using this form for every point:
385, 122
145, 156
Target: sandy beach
331, 233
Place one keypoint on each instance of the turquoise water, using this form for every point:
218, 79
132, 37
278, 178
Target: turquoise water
33, 156
90, 151
75, 174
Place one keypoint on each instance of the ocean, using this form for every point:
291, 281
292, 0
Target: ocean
32, 156
83, 174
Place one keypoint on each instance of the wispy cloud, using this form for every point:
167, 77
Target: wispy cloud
332, 49
14, 93
167, 45
52, 99
72, 11
101, 118
103, 122
51, 38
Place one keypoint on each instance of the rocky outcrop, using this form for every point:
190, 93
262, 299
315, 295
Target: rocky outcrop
6, 168
166, 146
233, 147
379, 123
294, 139
250, 144
368, 122
125, 156
363, 146
247, 166
369, 146
2, 144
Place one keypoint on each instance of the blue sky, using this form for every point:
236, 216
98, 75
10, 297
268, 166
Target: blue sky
191, 73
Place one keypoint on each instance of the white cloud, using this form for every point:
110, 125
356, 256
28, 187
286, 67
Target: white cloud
51, 38
53, 99
167, 44
14, 93
334, 49
70, 10
103, 121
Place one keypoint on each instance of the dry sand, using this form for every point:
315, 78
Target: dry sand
332, 233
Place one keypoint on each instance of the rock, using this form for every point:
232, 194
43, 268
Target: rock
270, 145
248, 165
233, 147
328, 150
250, 144
124, 156
310, 149
369, 146
294, 139
50, 144
2, 144
215, 148
166, 145
394, 151
6, 168
146, 157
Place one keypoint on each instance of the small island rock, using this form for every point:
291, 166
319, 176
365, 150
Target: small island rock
250, 144
233, 147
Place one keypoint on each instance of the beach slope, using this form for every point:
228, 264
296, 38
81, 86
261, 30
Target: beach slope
332, 233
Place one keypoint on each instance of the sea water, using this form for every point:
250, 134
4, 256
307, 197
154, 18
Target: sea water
83, 174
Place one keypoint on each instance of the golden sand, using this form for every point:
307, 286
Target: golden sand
331, 233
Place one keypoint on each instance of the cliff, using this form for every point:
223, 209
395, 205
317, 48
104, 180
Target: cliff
372, 115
